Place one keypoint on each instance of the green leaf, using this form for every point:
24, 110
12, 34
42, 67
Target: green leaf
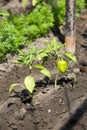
12, 86
70, 56
39, 66
74, 82
4, 13
54, 46
41, 55
34, 2
59, 46
24, 3
29, 83
46, 72
15, 61
49, 47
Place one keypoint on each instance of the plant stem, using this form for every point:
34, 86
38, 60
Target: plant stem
74, 81
56, 78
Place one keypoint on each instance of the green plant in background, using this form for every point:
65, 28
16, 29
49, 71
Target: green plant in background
59, 10
60, 59
80, 4
4, 13
85, 3
15, 31
37, 23
10, 38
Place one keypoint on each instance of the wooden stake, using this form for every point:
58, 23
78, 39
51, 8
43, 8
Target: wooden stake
70, 29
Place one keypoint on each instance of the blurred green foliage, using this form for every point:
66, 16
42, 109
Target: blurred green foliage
10, 38
59, 10
35, 24
15, 31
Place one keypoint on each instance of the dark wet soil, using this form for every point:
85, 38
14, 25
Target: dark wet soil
63, 108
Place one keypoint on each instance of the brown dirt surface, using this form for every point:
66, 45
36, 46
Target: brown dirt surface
63, 108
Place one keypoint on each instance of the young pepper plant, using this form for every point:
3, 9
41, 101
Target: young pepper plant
61, 60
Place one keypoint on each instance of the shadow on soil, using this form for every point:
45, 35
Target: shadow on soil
46, 81
56, 32
27, 97
74, 118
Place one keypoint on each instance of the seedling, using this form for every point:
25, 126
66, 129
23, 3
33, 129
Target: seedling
60, 59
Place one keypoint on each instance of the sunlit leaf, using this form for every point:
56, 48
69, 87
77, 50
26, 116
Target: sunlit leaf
39, 66
46, 72
24, 3
34, 2
49, 47
29, 83
54, 46
15, 61
74, 81
11, 88
71, 56
59, 46
41, 55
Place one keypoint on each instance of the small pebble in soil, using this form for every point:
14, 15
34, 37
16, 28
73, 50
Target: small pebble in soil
76, 70
22, 110
49, 110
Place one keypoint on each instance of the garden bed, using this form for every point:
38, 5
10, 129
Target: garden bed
63, 108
